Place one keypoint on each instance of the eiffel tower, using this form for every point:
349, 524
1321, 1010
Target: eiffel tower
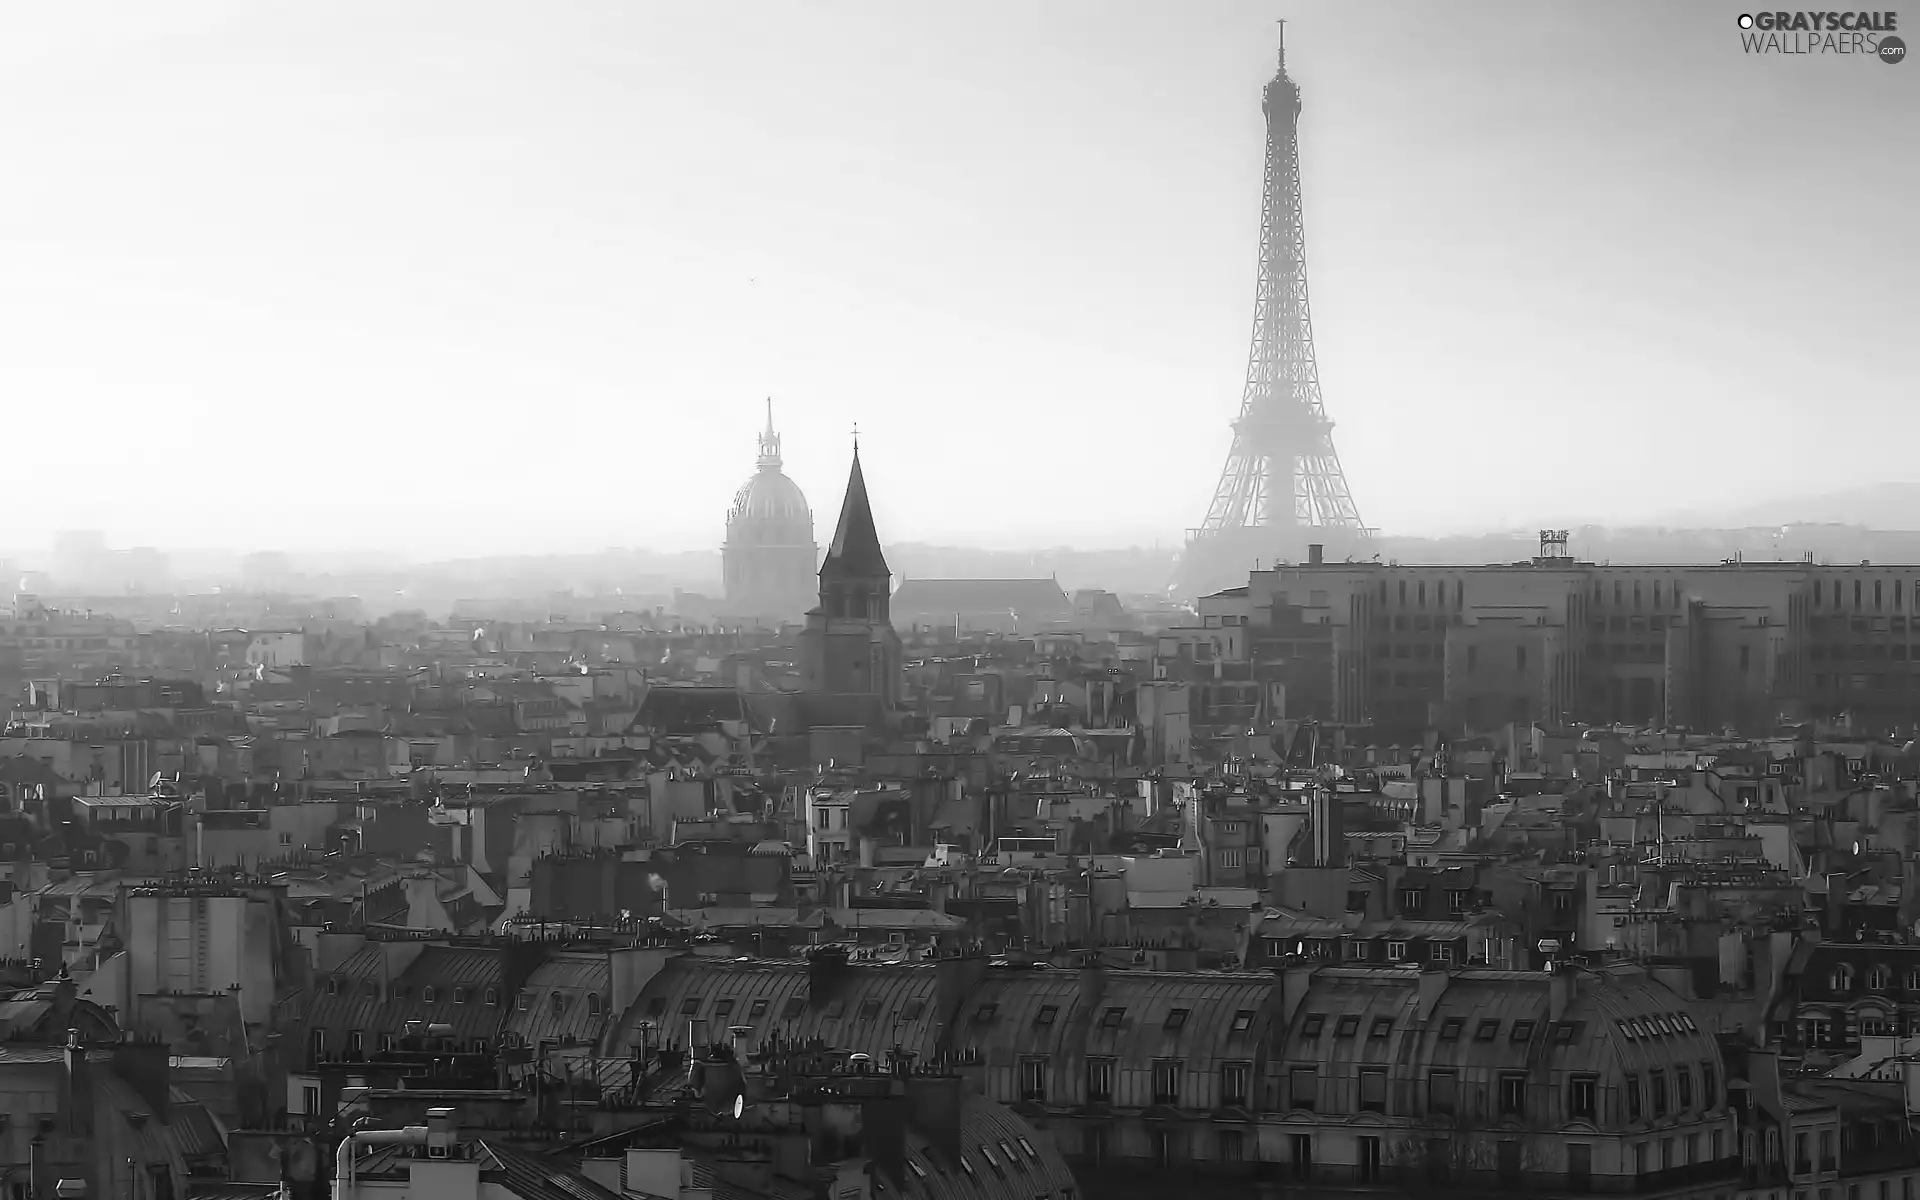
1282, 490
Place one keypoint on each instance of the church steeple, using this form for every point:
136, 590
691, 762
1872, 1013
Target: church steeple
855, 550
855, 580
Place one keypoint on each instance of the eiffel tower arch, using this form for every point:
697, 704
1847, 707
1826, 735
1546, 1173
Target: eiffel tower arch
1282, 489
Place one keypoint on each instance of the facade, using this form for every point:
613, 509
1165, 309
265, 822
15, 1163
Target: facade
769, 558
1738, 644
849, 647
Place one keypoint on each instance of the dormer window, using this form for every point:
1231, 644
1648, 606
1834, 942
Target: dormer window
1841, 978
1878, 978
426, 995
593, 1004
559, 1003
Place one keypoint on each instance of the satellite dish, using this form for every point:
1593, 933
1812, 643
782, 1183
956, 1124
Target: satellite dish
739, 1106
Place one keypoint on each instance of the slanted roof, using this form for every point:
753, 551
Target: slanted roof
855, 549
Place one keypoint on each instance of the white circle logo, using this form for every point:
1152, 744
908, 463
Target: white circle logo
1746, 21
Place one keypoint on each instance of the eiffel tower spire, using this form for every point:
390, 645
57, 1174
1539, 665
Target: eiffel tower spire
1282, 488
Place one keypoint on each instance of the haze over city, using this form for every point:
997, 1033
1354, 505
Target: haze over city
494, 278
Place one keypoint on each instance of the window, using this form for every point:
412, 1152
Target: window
1878, 978
1366, 1163
1301, 1145
794, 1007
1234, 1080
1489, 1029
1513, 1095
1230, 859
1440, 1092
1233, 1146
836, 1008
493, 996
1176, 1019
318, 1041
1581, 1093
355, 1041
1099, 1081
1347, 1027
1303, 1088
1242, 1021
1044, 1018
1522, 1031
1450, 1029
1682, 1089
1633, 1097
460, 995
559, 1002
1382, 1026
1112, 1017
1033, 1080
1657, 1089
593, 1006
690, 1006
985, 1013
521, 1001
1412, 901
1373, 1091
1396, 951
1166, 1081
426, 994
1310, 1028
1709, 1084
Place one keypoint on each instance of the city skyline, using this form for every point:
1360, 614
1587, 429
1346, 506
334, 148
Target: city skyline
516, 284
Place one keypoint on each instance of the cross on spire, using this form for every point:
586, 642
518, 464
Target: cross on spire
856, 437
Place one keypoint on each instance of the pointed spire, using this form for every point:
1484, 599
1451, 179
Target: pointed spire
855, 550
769, 443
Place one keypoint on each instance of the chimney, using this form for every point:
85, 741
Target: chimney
1433, 985
1561, 990
826, 967
147, 1066
1316, 554
78, 1100
936, 1103
443, 1133
1093, 981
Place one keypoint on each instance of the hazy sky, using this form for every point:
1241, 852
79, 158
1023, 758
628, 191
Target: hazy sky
471, 276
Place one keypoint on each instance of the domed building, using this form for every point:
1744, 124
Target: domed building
770, 559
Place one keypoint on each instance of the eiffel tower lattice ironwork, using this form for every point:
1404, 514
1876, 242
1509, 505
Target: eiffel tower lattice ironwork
1283, 487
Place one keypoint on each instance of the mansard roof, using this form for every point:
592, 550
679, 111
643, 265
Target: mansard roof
1612, 1024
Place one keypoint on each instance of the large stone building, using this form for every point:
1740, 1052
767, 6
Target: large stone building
1373, 1078
849, 647
769, 558
1747, 645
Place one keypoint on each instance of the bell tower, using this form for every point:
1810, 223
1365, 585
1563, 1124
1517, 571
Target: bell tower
849, 646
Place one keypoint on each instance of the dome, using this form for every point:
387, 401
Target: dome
769, 496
